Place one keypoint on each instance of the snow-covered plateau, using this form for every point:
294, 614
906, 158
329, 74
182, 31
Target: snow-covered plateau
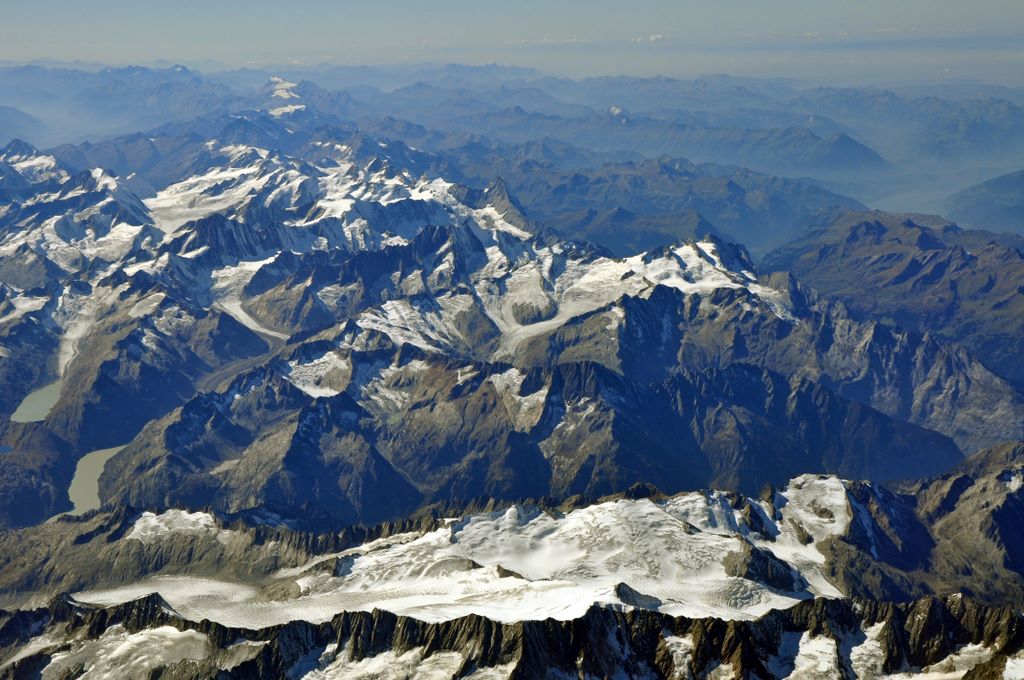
523, 563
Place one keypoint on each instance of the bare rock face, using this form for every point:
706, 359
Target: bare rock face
758, 564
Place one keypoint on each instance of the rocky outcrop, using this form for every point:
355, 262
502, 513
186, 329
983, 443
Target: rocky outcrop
758, 564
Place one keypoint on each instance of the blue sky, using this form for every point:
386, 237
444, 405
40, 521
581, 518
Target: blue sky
868, 39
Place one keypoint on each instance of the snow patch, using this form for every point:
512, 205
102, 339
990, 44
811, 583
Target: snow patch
285, 110
317, 377
952, 667
411, 665
152, 528
1014, 669
118, 654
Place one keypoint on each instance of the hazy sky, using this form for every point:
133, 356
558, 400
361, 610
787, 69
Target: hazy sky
823, 39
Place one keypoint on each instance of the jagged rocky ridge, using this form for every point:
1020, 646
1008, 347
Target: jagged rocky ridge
823, 638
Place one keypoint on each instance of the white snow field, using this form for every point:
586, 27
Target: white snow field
522, 563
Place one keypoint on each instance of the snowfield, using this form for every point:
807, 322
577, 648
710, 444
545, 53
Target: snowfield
522, 563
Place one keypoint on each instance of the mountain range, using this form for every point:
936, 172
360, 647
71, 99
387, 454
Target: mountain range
966, 286
481, 377
910, 146
274, 297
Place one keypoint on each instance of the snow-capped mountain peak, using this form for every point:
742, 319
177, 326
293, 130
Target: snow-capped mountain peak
32, 164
